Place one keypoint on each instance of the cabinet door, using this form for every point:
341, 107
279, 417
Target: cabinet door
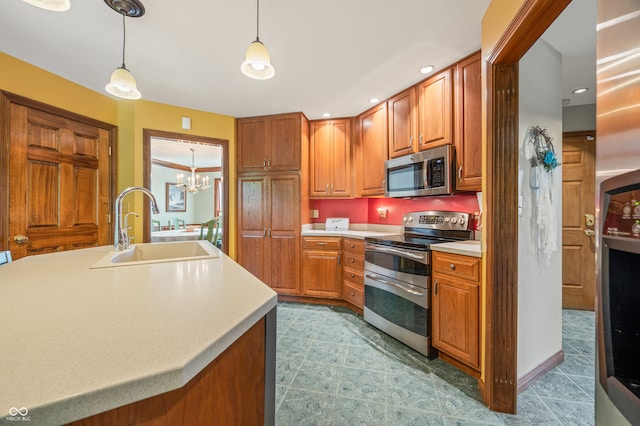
282, 234
456, 319
435, 111
322, 273
252, 224
284, 142
468, 118
373, 149
252, 144
402, 123
340, 185
320, 158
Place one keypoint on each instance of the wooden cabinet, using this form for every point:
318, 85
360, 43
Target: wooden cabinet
456, 307
402, 123
468, 124
322, 270
372, 151
330, 159
353, 271
435, 110
270, 143
269, 227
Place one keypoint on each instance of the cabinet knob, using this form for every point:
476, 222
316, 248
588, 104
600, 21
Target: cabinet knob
352, 294
353, 260
452, 267
353, 275
351, 245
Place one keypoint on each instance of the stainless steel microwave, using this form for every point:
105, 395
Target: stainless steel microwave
421, 174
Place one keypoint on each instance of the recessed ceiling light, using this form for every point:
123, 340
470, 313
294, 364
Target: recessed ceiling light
580, 90
326, 114
426, 69
374, 100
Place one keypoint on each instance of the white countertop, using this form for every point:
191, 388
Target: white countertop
466, 248
346, 233
76, 341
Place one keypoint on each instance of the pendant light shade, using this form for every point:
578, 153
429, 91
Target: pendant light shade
257, 63
123, 84
53, 5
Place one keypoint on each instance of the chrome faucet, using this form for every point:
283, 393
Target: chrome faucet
120, 236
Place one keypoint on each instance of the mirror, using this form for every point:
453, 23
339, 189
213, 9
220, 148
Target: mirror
188, 176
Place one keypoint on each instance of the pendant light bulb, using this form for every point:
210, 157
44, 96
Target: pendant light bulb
123, 84
53, 5
257, 62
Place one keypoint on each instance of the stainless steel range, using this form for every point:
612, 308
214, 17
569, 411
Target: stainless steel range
397, 292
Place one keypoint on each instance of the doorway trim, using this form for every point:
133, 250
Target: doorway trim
499, 389
147, 134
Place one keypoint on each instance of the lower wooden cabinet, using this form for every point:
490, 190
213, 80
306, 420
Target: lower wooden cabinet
353, 271
321, 267
456, 307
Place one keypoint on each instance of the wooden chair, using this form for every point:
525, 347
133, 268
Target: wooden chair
176, 223
155, 225
213, 229
5, 257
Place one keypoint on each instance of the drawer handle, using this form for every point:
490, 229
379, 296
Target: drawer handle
452, 267
321, 244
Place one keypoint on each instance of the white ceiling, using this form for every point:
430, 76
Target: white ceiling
330, 55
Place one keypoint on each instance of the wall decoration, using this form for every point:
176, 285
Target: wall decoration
538, 149
176, 197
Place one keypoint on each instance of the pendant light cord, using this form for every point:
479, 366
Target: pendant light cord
257, 20
124, 37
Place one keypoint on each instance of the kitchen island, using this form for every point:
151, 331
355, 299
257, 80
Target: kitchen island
77, 341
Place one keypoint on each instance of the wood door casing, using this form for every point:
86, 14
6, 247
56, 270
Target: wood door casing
578, 199
59, 195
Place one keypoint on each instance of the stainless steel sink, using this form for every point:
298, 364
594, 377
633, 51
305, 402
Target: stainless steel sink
141, 254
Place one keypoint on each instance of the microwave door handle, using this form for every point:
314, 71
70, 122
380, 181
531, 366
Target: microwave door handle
395, 251
427, 174
407, 288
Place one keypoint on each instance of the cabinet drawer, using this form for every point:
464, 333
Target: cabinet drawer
321, 243
455, 265
353, 293
354, 275
353, 260
352, 244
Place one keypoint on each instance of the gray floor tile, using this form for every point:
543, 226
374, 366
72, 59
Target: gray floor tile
577, 365
301, 407
317, 377
531, 411
328, 354
365, 385
409, 417
559, 386
572, 413
348, 412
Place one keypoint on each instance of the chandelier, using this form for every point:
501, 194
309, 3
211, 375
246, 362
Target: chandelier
195, 184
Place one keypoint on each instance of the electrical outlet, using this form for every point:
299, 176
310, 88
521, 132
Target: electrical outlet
315, 214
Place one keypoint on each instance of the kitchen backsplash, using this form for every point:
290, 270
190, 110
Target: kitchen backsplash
365, 210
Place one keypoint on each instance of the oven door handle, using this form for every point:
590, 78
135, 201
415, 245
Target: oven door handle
408, 288
395, 251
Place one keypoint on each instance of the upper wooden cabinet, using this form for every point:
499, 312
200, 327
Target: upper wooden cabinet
330, 159
435, 110
468, 124
403, 126
270, 143
372, 151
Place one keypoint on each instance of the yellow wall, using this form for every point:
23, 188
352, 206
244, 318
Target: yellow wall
131, 117
495, 21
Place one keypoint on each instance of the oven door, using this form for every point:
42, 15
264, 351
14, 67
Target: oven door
399, 309
410, 266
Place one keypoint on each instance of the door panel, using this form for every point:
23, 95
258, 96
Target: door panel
578, 200
60, 180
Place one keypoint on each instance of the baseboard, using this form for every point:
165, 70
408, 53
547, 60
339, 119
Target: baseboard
533, 375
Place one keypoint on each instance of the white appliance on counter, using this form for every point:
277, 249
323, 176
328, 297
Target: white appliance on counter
337, 224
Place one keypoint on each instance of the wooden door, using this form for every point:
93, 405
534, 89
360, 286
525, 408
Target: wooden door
340, 185
252, 224
252, 144
283, 243
322, 273
578, 240
284, 142
59, 191
402, 123
468, 117
320, 158
435, 111
373, 151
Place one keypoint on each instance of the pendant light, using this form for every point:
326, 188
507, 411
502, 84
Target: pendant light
257, 63
53, 5
123, 84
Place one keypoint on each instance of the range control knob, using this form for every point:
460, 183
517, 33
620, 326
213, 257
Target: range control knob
404, 218
446, 219
410, 219
635, 228
454, 220
461, 221
636, 210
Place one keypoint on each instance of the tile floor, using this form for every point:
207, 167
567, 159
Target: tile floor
334, 369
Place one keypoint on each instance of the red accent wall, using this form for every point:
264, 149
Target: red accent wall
365, 210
